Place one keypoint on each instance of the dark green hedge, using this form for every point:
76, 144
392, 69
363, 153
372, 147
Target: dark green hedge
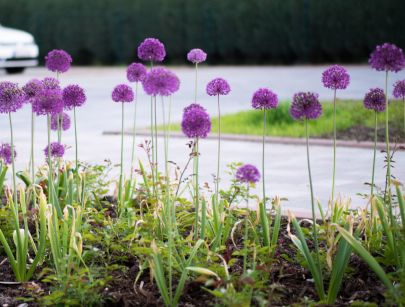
230, 31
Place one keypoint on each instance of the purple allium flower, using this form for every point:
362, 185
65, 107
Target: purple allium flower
387, 57
196, 122
399, 89
160, 81
5, 153
32, 88
57, 150
63, 119
12, 97
151, 49
248, 173
50, 83
196, 56
136, 72
48, 102
122, 93
335, 77
218, 86
58, 60
264, 98
305, 105
375, 100
73, 96
192, 106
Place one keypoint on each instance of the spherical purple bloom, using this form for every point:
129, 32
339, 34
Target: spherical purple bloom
335, 77
48, 102
399, 89
63, 119
387, 57
58, 60
12, 97
122, 93
151, 49
32, 88
50, 83
160, 81
196, 122
264, 98
5, 153
218, 86
136, 72
73, 96
248, 173
375, 100
192, 106
57, 150
305, 105
196, 56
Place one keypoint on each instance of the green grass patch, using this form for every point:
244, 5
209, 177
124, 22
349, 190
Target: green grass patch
350, 113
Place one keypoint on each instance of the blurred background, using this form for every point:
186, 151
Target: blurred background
231, 32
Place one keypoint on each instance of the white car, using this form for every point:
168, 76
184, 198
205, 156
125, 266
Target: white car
18, 50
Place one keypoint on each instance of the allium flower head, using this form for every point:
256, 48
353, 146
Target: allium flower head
218, 86
387, 57
305, 105
32, 88
151, 49
375, 100
12, 97
399, 89
73, 96
5, 153
192, 106
264, 98
335, 77
57, 150
58, 60
63, 119
136, 72
196, 122
248, 173
196, 56
48, 102
160, 81
50, 83
122, 93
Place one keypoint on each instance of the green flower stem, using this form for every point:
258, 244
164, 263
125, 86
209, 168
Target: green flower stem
134, 135
76, 146
245, 239
315, 236
374, 155
387, 142
120, 199
13, 160
196, 82
153, 147
156, 139
196, 188
262, 206
32, 159
219, 155
50, 175
334, 146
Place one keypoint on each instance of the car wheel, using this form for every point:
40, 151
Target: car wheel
15, 70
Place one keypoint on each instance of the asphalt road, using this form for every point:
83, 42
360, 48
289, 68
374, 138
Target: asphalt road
286, 173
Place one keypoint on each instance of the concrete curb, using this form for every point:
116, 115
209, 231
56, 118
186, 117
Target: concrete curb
273, 139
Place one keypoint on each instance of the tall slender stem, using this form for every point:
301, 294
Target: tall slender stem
76, 146
165, 140
334, 146
13, 160
262, 206
245, 240
120, 200
387, 142
219, 154
32, 148
153, 147
50, 175
196, 189
156, 140
375, 151
134, 134
196, 82
312, 193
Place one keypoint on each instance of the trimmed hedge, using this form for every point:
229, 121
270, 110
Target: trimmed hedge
230, 31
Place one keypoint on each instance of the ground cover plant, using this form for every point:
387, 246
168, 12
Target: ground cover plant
162, 237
